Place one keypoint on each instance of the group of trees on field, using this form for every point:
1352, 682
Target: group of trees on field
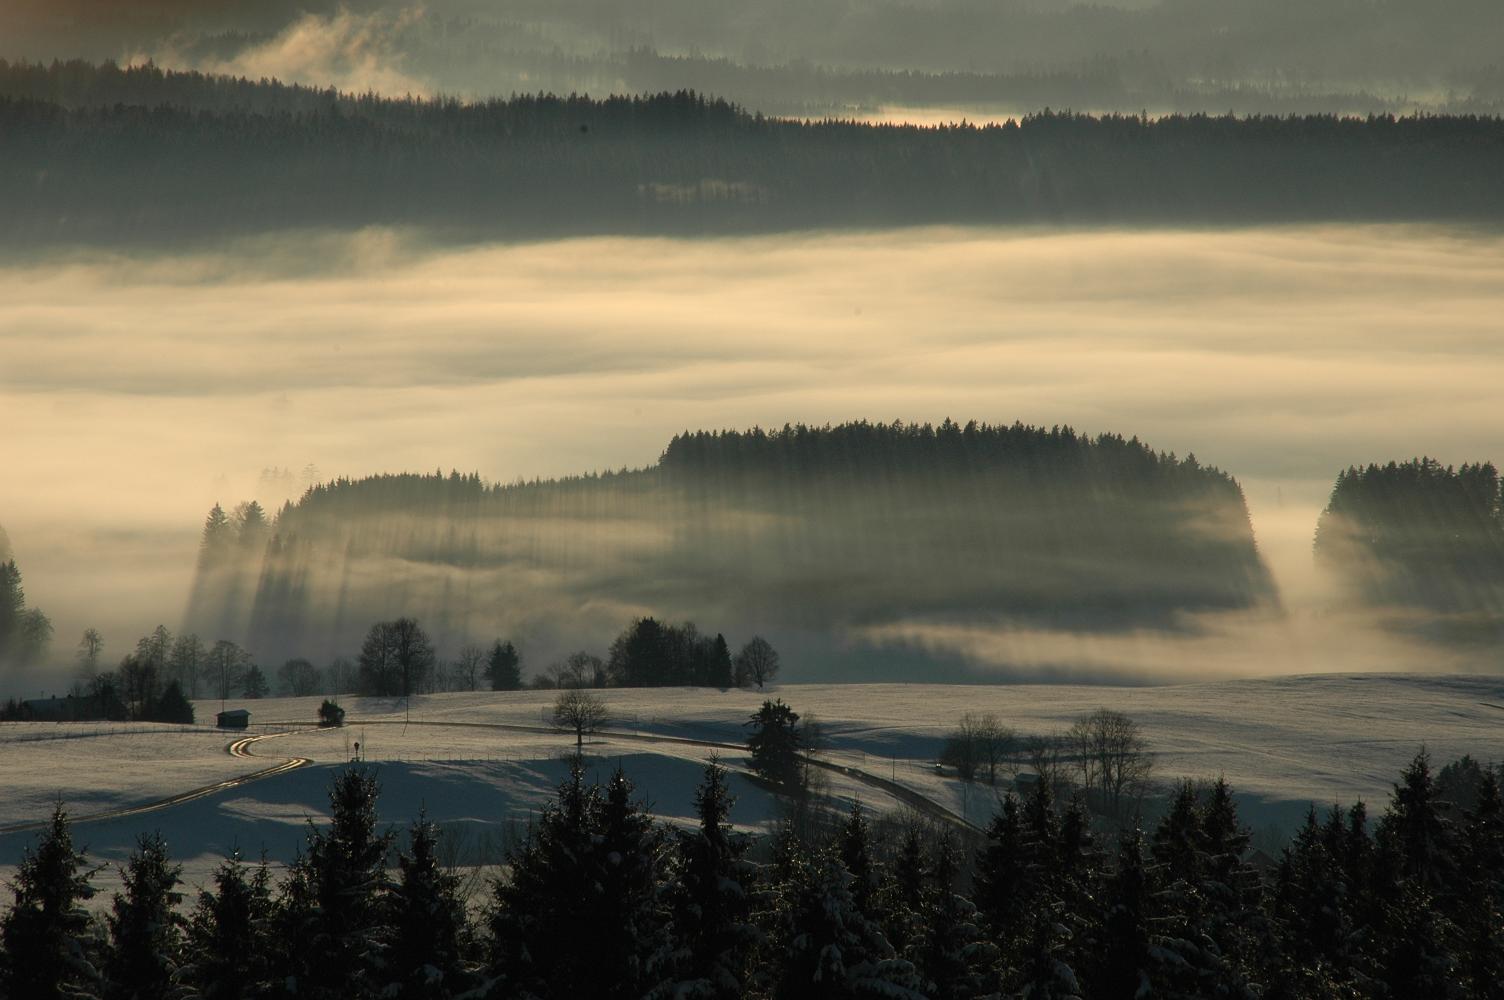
599, 900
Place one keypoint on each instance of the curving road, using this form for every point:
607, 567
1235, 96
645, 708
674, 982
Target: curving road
239, 748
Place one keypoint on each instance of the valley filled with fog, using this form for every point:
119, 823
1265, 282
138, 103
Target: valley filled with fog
145, 387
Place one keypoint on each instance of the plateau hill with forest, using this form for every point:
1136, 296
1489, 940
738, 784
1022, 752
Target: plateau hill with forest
808, 535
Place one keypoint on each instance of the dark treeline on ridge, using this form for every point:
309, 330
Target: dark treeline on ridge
598, 900
164, 168
1423, 536
800, 534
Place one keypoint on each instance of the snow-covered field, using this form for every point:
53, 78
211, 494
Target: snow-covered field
481, 763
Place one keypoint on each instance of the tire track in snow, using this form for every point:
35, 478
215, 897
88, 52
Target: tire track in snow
238, 748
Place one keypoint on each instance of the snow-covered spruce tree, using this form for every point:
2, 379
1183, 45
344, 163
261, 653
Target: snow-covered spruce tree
335, 922
1482, 921
710, 900
634, 943
1417, 842
1310, 954
1046, 974
229, 947
854, 842
580, 911
824, 948
51, 946
427, 960
1001, 885
1121, 971
146, 930
953, 957
1190, 958
902, 897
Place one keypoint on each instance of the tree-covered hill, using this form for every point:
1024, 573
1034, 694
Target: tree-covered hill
1422, 536
806, 534
148, 156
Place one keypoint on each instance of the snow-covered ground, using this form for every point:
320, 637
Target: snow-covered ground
481, 763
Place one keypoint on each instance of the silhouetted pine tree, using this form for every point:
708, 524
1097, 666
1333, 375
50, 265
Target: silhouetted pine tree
337, 928
50, 945
427, 959
632, 947
1416, 841
1482, 918
856, 855
230, 948
1001, 883
146, 931
587, 872
1122, 970
711, 900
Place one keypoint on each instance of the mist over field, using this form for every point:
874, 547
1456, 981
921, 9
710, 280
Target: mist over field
148, 388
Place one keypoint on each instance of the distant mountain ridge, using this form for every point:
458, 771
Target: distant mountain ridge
802, 534
187, 156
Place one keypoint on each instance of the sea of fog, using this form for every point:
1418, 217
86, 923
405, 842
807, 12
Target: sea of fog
137, 391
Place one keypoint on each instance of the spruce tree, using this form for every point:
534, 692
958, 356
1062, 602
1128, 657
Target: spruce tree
1122, 972
587, 872
856, 855
954, 958
711, 900
824, 948
146, 931
903, 895
336, 925
229, 946
50, 944
427, 959
1001, 886
633, 945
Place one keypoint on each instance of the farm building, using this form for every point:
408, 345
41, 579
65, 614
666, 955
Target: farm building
235, 718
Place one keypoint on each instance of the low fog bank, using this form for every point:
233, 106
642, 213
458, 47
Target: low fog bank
149, 389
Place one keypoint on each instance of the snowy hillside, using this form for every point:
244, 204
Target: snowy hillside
480, 761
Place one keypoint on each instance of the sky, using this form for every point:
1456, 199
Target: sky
142, 390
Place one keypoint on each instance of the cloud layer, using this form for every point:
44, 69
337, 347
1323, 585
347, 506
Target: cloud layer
140, 392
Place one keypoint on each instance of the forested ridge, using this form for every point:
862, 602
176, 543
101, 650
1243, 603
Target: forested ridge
1420, 535
179, 155
803, 529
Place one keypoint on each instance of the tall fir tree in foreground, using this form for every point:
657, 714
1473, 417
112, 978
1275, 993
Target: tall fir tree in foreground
146, 929
335, 920
230, 946
51, 947
428, 958
589, 871
711, 900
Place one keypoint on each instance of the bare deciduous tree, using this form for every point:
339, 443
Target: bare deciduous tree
581, 712
468, 666
757, 663
1113, 758
979, 742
